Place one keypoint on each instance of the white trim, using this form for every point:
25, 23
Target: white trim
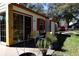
2, 43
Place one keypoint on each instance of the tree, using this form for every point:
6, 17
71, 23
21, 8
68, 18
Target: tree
68, 16
53, 9
38, 7
69, 10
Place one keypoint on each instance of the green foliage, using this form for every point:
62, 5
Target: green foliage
60, 8
68, 16
51, 37
71, 45
47, 41
42, 43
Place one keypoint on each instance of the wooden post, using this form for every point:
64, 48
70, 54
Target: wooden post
9, 25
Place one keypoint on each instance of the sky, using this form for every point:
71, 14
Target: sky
46, 7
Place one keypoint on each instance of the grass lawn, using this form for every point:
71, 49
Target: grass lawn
71, 47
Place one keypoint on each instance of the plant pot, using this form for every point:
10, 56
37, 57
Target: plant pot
44, 51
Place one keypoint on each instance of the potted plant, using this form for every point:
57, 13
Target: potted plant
44, 43
17, 35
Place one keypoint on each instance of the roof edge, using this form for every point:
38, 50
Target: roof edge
18, 5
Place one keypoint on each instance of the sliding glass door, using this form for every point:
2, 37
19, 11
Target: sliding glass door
27, 27
17, 27
21, 27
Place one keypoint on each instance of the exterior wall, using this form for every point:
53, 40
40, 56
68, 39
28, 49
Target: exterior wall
47, 23
34, 24
52, 27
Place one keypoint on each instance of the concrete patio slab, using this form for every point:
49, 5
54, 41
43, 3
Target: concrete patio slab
16, 51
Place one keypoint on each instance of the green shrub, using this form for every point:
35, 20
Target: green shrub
47, 41
51, 37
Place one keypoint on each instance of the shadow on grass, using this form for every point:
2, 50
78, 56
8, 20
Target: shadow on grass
60, 42
62, 50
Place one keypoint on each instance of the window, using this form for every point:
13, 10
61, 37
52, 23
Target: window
2, 27
40, 25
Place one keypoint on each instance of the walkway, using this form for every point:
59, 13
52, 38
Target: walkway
16, 51
69, 32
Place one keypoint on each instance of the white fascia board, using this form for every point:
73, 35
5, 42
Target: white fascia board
2, 7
